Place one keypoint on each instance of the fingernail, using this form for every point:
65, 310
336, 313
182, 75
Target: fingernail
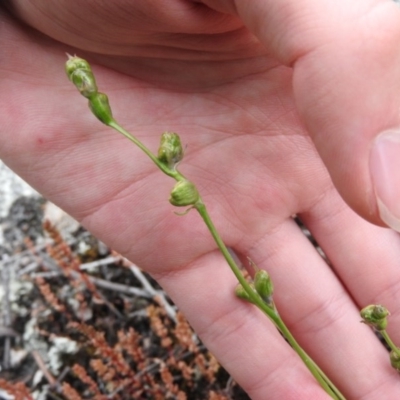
385, 172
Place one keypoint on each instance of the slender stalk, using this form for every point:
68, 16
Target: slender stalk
186, 194
172, 173
201, 208
389, 342
322, 379
272, 314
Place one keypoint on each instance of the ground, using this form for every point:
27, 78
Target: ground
82, 322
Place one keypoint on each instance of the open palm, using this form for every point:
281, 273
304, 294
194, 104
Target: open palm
255, 166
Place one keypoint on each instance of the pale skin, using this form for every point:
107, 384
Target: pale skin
278, 122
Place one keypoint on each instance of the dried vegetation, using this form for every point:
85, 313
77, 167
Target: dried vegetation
81, 322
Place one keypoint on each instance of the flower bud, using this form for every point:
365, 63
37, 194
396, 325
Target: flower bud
375, 316
100, 107
170, 151
73, 63
183, 194
80, 74
242, 294
263, 285
395, 360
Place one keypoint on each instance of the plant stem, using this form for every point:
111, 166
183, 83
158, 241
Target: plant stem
272, 313
172, 173
183, 194
389, 342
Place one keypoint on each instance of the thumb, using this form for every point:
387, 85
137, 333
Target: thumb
346, 81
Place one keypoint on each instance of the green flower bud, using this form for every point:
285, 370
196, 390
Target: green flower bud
375, 316
184, 194
170, 151
395, 360
263, 285
73, 63
242, 294
80, 74
100, 107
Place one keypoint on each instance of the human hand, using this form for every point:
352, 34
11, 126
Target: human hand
236, 103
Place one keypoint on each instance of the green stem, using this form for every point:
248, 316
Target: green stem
81, 75
273, 315
201, 208
389, 341
172, 173
323, 380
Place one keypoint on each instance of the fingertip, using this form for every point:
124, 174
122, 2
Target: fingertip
385, 174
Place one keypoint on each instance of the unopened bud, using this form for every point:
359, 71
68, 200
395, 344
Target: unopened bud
183, 194
242, 294
100, 107
375, 316
170, 151
395, 360
80, 74
263, 285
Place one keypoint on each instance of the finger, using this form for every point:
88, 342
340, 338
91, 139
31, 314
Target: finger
237, 333
127, 28
322, 316
365, 257
347, 88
